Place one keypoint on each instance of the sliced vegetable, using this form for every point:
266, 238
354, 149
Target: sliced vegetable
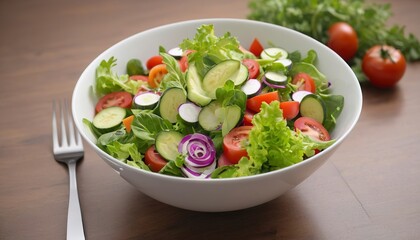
252, 87
240, 76
156, 75
176, 52
287, 63
235, 142
304, 81
154, 160
109, 119
218, 75
198, 150
253, 67
189, 112
196, 93
256, 47
127, 122
223, 161
210, 117
290, 109
274, 53
312, 128
146, 100
314, 107
254, 103
167, 144
119, 99
153, 61
169, 103
299, 95
276, 78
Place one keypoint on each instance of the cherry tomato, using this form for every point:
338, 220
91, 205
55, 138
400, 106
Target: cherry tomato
343, 40
233, 143
305, 82
312, 128
140, 78
254, 103
248, 117
253, 67
154, 160
183, 63
153, 61
384, 66
156, 75
223, 161
290, 109
256, 48
120, 99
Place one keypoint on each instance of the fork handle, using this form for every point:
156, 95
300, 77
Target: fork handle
74, 216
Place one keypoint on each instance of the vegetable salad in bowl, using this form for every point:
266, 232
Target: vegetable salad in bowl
211, 108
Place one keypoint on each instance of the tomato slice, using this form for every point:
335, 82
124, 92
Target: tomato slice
119, 99
254, 103
154, 160
248, 117
304, 82
290, 109
153, 61
156, 75
140, 78
256, 48
183, 63
312, 128
233, 143
253, 67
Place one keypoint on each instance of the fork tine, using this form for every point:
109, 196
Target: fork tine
54, 127
72, 139
63, 124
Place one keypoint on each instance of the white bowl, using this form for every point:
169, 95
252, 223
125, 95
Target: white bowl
216, 195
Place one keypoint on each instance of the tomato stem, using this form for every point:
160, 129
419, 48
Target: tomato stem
386, 55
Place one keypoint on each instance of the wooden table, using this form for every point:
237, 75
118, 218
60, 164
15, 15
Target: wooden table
370, 188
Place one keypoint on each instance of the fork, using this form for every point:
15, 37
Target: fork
68, 149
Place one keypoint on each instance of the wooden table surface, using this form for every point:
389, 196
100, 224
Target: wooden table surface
369, 189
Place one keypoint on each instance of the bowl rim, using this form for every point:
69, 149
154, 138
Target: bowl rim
80, 126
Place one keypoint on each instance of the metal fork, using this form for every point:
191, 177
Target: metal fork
68, 148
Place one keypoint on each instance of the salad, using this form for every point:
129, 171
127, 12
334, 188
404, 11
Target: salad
209, 108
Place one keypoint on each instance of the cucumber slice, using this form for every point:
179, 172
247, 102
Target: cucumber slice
232, 116
252, 87
274, 54
287, 63
167, 144
189, 112
314, 107
218, 75
170, 101
276, 78
195, 90
210, 117
109, 119
146, 100
240, 76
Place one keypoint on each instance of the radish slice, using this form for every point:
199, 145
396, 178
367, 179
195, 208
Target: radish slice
287, 63
189, 112
299, 95
146, 100
251, 88
176, 52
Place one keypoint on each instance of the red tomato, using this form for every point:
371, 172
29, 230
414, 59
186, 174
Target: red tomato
290, 109
305, 82
156, 75
154, 160
256, 48
153, 61
223, 161
312, 128
253, 67
233, 143
248, 117
120, 99
183, 63
384, 66
343, 40
254, 103
140, 78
